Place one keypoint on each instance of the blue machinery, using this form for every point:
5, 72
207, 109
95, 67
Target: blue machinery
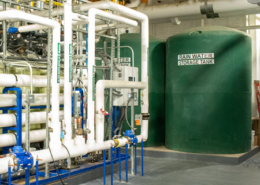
24, 159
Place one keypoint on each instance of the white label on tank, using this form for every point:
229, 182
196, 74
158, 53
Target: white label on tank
196, 59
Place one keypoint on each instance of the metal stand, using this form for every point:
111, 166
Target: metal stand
111, 149
27, 177
119, 158
135, 161
142, 156
126, 165
18, 110
9, 175
37, 172
104, 167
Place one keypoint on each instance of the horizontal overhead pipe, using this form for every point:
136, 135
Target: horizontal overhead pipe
9, 120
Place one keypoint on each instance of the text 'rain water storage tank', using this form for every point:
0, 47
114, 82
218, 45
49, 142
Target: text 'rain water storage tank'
208, 91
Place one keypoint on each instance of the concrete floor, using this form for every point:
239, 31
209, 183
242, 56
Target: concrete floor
158, 171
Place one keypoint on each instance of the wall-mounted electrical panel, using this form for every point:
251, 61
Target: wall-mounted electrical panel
121, 96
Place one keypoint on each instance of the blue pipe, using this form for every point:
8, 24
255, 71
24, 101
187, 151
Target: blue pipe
37, 172
119, 157
111, 149
142, 158
104, 167
135, 161
126, 164
9, 175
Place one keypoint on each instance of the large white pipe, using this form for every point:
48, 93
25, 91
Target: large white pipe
91, 61
9, 100
192, 7
9, 120
77, 18
10, 138
67, 69
100, 90
11, 80
32, 27
77, 149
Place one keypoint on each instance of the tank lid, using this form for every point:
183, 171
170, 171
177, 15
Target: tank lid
214, 28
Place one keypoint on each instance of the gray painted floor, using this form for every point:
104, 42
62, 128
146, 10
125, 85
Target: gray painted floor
159, 171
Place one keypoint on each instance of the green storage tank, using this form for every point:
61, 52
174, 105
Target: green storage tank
156, 68
208, 91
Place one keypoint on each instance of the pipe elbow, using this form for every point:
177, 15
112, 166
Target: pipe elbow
100, 84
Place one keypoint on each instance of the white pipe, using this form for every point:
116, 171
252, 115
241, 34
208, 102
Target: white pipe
100, 90
91, 61
133, 4
10, 138
9, 120
32, 27
9, 80
78, 17
79, 148
192, 7
67, 69
19, 15
106, 27
9, 100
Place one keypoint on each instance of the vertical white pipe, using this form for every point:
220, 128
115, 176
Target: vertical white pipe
144, 93
91, 75
67, 68
55, 123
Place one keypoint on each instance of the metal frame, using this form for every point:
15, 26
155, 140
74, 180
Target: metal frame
53, 176
18, 110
